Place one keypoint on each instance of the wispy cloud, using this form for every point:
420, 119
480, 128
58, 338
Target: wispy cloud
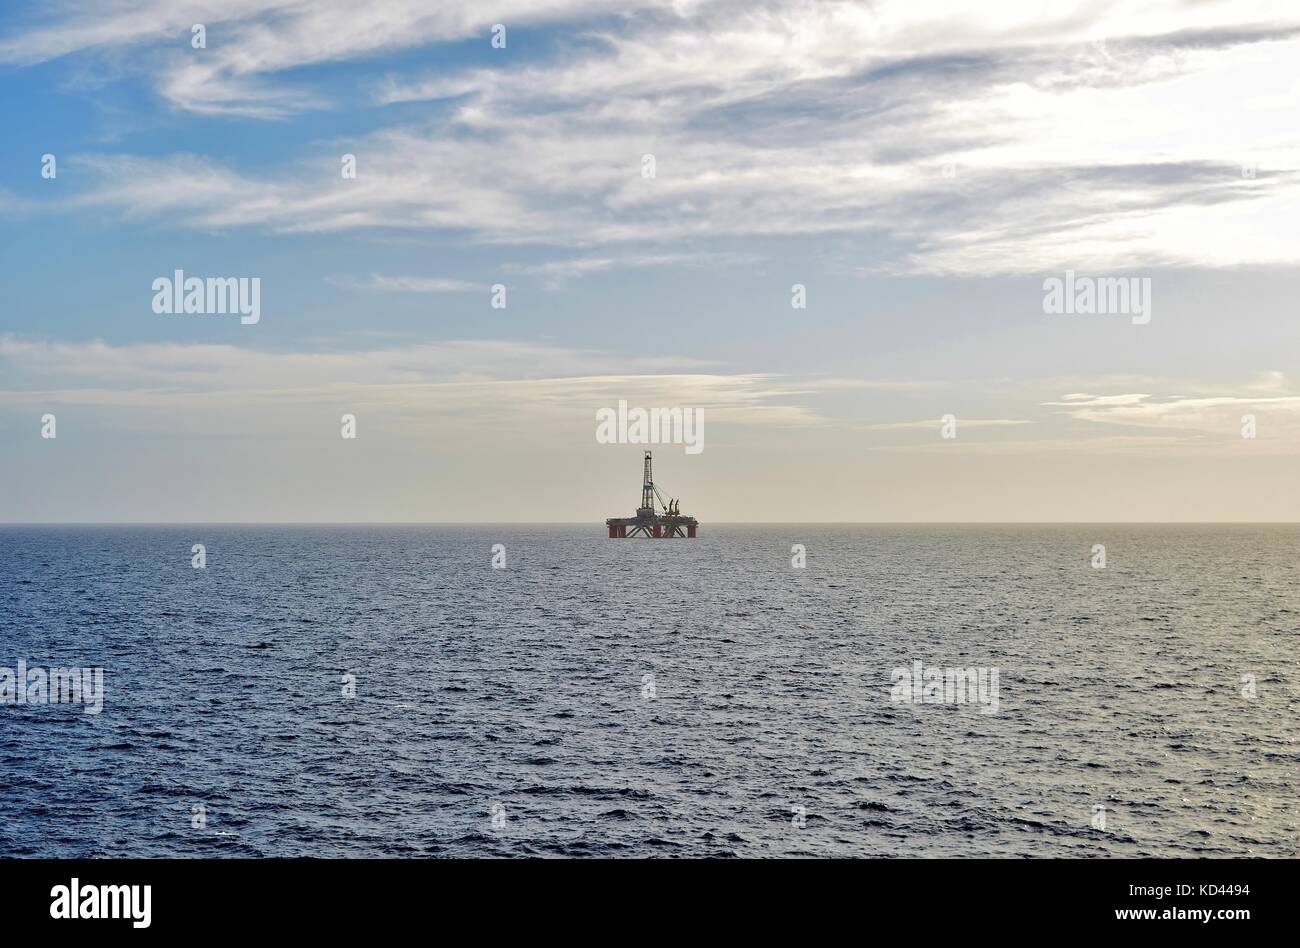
382, 283
252, 41
1213, 421
998, 141
556, 272
1218, 414
938, 423
484, 383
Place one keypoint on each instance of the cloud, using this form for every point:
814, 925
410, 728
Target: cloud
1082, 398
556, 272
929, 423
404, 284
11, 205
249, 41
472, 383
1000, 140
1218, 414
527, 390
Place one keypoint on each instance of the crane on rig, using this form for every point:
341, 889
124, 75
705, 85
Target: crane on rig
649, 521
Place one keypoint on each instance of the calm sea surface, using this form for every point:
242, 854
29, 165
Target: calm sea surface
633, 698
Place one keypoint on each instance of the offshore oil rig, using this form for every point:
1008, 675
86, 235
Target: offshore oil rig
648, 522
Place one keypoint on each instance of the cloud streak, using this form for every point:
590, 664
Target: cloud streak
999, 141
477, 383
381, 283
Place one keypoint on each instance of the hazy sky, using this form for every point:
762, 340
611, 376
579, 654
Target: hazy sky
919, 170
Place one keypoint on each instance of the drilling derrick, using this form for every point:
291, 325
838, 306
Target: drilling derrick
647, 507
657, 517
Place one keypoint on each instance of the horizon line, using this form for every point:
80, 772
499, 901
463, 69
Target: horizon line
601, 523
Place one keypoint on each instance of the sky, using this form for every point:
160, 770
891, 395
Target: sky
649, 182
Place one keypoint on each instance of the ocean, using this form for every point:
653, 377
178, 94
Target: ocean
385, 691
